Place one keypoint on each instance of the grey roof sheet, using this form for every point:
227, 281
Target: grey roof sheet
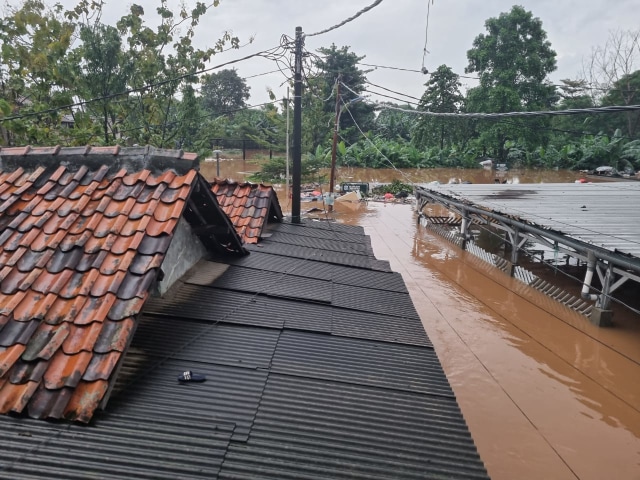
602, 214
297, 388
317, 429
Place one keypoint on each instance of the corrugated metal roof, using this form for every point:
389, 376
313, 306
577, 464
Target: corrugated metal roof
317, 429
602, 214
296, 388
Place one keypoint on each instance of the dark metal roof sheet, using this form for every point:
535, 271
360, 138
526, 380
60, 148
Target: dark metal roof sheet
322, 271
373, 326
316, 429
338, 258
275, 284
361, 362
374, 300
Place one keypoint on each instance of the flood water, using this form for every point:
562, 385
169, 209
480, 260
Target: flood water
546, 395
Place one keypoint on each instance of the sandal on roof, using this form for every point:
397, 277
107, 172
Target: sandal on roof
189, 376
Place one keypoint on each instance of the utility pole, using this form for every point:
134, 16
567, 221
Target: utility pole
297, 129
287, 148
332, 176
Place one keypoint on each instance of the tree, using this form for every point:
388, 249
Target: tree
35, 42
614, 71
224, 91
442, 96
104, 73
164, 63
339, 65
625, 91
513, 61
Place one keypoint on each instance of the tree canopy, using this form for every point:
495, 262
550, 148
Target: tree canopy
512, 60
224, 91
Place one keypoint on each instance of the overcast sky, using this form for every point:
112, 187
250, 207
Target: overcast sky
393, 33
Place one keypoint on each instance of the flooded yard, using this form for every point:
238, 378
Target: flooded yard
546, 395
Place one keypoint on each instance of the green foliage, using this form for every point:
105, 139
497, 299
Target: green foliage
223, 92
442, 96
512, 60
394, 187
134, 82
339, 64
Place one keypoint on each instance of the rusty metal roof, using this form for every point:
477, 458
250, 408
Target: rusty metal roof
249, 206
606, 215
83, 234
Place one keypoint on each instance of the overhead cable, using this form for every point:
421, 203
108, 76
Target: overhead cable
392, 91
572, 111
426, 36
350, 19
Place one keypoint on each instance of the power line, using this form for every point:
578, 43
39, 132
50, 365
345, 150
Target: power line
350, 19
401, 100
392, 91
572, 111
426, 36
390, 68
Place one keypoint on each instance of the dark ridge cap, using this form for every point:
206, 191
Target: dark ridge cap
132, 159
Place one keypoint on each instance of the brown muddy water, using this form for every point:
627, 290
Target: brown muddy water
546, 395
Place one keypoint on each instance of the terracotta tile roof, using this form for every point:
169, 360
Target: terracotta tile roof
83, 233
249, 206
